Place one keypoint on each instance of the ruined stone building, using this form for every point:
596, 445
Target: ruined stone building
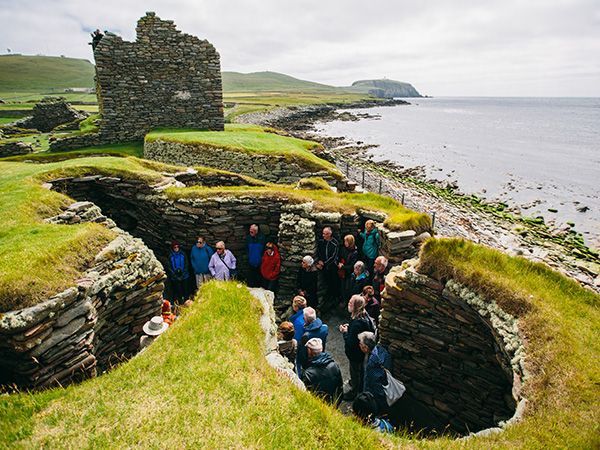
165, 79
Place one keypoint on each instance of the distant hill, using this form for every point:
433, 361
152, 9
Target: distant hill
269, 81
385, 88
41, 73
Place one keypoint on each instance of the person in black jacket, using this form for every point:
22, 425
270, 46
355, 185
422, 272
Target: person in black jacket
306, 281
360, 322
380, 270
327, 251
348, 257
323, 376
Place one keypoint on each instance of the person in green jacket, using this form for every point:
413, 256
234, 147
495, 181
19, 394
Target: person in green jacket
371, 244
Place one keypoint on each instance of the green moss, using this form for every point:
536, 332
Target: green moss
314, 183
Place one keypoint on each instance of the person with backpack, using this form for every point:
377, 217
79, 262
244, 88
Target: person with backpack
200, 257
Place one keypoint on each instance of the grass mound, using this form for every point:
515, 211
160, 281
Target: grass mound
560, 321
250, 139
205, 383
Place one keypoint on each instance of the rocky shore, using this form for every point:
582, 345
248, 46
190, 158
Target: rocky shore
456, 214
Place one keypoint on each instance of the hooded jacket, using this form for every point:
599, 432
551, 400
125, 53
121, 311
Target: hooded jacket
178, 268
323, 377
220, 268
371, 244
271, 264
315, 329
375, 376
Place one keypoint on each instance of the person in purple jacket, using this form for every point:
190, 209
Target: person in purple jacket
222, 264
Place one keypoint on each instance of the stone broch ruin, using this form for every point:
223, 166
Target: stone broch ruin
459, 355
165, 79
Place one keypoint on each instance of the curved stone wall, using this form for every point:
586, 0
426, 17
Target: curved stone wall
146, 212
458, 354
271, 168
85, 328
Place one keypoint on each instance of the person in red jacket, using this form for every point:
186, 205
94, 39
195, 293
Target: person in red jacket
270, 267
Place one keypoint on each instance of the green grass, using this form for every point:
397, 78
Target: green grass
203, 384
250, 139
39, 259
40, 73
269, 81
52, 253
560, 322
129, 149
5, 120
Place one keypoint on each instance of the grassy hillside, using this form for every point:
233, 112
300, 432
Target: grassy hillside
269, 81
43, 73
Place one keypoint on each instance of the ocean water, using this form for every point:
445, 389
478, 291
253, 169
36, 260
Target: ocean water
538, 152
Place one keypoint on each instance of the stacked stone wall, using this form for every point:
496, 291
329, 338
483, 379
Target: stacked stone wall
145, 212
271, 168
165, 79
457, 354
87, 327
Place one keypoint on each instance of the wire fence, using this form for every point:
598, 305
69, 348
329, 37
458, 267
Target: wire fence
374, 182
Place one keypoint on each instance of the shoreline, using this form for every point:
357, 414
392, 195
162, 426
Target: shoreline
456, 214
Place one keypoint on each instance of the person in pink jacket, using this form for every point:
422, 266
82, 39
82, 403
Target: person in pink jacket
222, 264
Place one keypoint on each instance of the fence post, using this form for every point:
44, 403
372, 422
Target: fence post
347, 168
380, 185
433, 220
402, 201
363, 178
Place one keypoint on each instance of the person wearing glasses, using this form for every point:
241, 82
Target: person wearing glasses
222, 264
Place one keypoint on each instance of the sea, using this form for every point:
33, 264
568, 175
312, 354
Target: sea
540, 154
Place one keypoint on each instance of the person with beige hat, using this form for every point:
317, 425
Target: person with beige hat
153, 328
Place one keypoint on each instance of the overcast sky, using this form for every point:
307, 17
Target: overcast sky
486, 48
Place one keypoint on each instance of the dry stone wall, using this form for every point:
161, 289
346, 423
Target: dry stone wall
458, 354
144, 211
164, 79
49, 113
82, 330
272, 168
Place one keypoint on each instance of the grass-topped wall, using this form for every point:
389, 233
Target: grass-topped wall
55, 255
245, 149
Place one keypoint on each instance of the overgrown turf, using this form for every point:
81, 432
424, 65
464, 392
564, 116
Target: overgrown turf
205, 383
560, 322
38, 259
250, 139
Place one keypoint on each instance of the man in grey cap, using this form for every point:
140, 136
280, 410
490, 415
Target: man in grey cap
322, 376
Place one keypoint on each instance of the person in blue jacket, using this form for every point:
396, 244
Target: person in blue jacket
255, 244
200, 257
178, 273
378, 359
313, 328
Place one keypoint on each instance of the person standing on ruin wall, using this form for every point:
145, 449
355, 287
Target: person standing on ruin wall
327, 251
255, 244
200, 257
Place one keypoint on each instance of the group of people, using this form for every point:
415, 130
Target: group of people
303, 341
346, 270
206, 263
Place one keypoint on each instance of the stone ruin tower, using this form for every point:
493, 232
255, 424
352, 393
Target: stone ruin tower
164, 79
